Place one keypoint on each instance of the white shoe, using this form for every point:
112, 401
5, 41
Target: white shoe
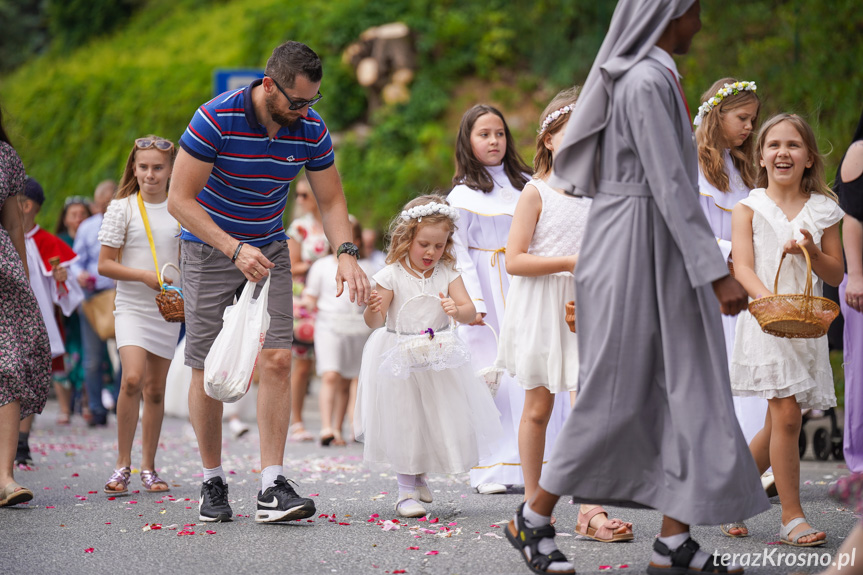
107, 399
410, 509
423, 490
769, 484
490, 488
238, 428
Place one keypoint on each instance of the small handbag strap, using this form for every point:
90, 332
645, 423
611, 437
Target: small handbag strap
149, 235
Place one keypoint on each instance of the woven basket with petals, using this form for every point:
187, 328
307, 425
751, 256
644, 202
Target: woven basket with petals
170, 300
794, 315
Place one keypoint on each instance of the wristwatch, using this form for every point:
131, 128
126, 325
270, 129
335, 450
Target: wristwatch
348, 248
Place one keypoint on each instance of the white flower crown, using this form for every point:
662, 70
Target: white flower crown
554, 116
418, 212
724, 92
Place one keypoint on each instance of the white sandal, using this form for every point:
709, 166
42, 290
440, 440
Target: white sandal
785, 534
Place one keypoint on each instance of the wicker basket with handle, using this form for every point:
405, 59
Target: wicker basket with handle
794, 315
170, 299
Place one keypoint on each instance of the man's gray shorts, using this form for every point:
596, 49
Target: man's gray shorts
210, 282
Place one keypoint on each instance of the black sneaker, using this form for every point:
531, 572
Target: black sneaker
214, 501
281, 503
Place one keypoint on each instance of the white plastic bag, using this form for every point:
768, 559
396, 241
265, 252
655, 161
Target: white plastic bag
231, 362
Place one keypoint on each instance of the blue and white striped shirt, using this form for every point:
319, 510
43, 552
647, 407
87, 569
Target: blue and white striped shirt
247, 190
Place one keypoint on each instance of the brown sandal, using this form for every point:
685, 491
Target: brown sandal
121, 478
150, 479
607, 533
13, 494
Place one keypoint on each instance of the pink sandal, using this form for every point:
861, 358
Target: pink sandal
120, 477
607, 533
150, 479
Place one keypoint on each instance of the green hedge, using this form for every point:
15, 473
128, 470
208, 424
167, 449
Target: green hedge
73, 114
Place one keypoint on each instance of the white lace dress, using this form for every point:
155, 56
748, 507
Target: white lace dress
436, 417
536, 346
766, 366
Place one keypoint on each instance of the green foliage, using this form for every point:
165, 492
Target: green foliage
73, 22
74, 113
23, 31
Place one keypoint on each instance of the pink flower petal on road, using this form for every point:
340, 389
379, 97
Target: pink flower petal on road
432, 552
89, 550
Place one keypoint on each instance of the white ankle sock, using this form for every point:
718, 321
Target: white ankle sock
214, 472
546, 545
269, 475
673, 542
407, 485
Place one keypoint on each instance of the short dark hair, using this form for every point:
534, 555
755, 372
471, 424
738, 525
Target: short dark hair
292, 58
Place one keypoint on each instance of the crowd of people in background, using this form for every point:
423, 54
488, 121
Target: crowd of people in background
459, 327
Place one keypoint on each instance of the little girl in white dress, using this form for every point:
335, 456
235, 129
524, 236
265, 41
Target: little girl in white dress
420, 407
536, 345
793, 208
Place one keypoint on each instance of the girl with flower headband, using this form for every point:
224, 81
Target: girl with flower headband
724, 133
791, 208
488, 180
536, 346
138, 223
420, 408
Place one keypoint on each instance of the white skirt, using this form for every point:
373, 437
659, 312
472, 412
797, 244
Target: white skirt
767, 366
427, 422
148, 330
536, 346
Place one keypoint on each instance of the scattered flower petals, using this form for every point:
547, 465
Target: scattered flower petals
432, 552
210, 532
89, 550
413, 548
435, 520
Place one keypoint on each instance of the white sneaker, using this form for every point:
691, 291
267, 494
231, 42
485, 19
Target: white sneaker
490, 488
769, 484
414, 509
238, 428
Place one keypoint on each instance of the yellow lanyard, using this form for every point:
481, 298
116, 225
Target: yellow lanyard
149, 235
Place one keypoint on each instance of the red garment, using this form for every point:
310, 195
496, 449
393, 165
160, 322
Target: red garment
51, 246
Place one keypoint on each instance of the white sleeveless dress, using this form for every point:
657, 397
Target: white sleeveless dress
536, 346
766, 366
438, 418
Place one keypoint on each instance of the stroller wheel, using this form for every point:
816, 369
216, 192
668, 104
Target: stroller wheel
821, 444
801, 443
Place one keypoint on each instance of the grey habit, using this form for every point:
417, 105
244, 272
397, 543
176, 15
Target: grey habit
653, 424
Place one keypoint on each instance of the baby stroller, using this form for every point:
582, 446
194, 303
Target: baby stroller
824, 442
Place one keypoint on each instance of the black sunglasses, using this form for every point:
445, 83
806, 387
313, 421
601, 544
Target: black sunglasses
297, 105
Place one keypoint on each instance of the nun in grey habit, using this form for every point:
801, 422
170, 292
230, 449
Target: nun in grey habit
653, 424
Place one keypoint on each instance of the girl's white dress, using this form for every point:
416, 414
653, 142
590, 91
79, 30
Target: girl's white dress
137, 320
480, 246
717, 206
766, 366
422, 420
536, 346
340, 330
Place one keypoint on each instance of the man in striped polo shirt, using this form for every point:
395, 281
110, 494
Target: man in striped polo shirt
228, 191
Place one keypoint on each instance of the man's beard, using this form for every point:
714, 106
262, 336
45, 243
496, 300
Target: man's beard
279, 118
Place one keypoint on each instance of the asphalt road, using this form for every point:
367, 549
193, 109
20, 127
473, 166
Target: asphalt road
72, 527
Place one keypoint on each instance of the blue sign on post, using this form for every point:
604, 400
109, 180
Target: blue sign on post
232, 79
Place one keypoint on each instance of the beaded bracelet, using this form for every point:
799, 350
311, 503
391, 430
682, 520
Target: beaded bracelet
236, 252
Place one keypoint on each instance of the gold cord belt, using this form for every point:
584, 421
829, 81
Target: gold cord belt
495, 257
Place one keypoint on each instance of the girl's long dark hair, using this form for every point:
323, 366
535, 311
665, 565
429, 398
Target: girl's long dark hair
470, 171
